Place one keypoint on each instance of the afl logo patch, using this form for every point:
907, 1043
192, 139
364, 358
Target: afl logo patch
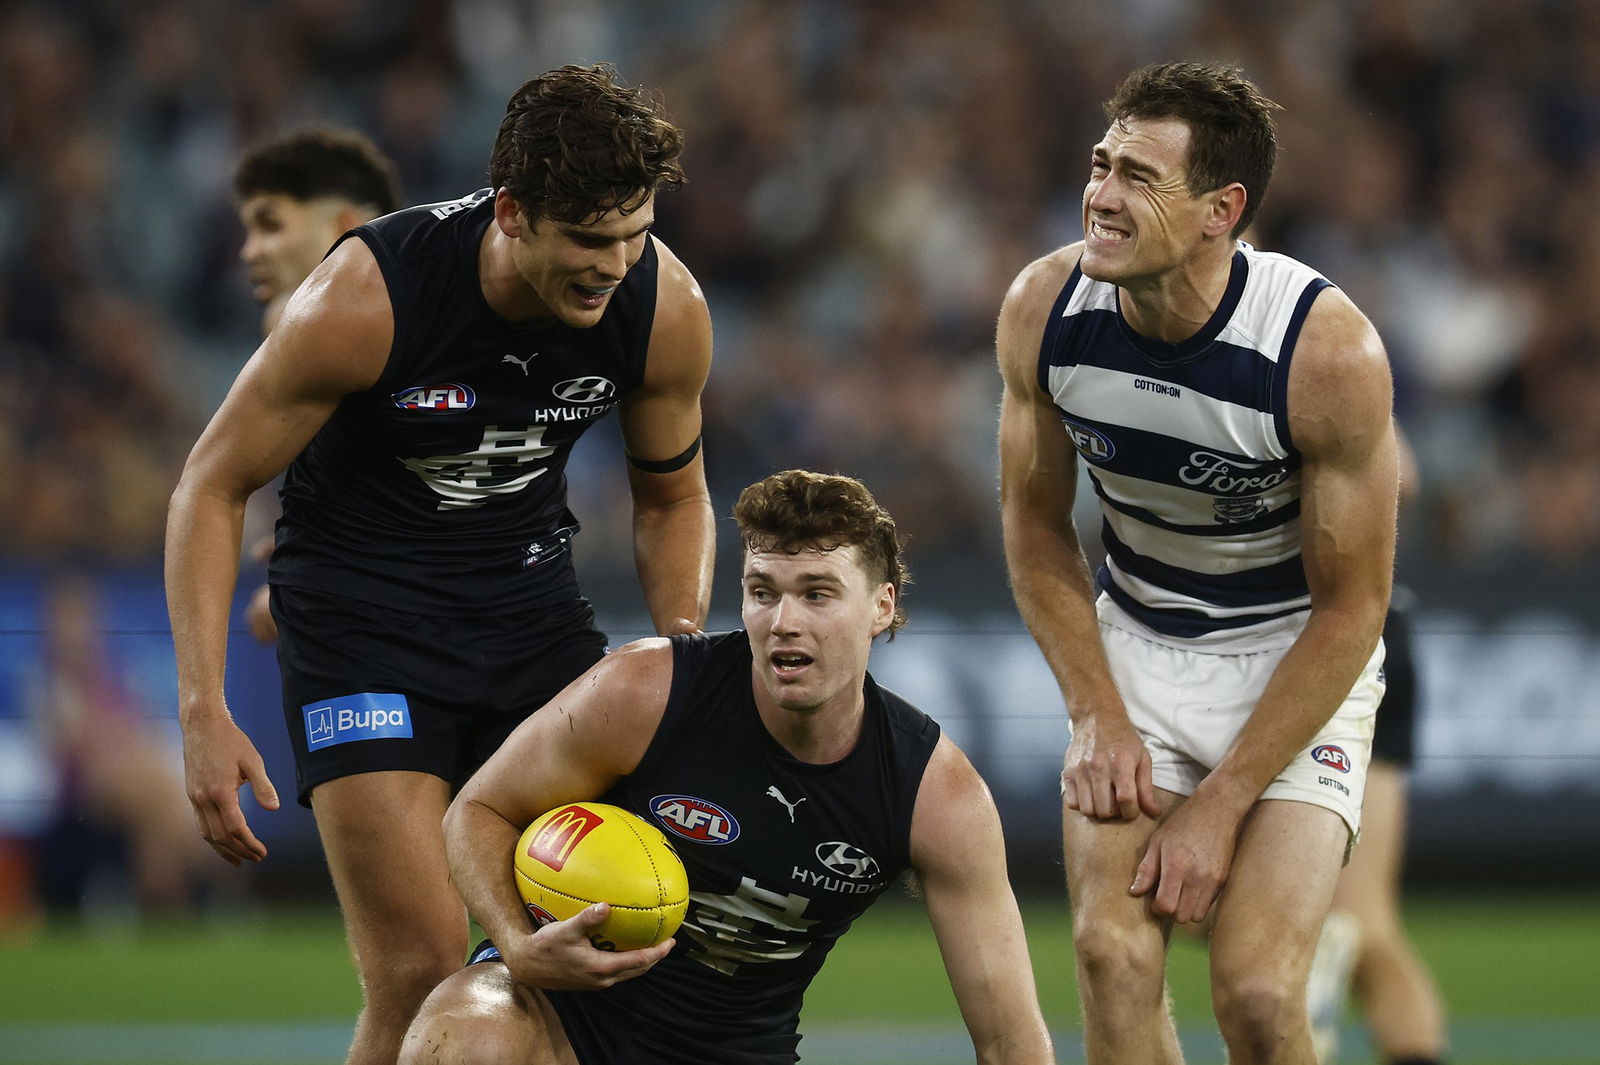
696, 820
1092, 444
584, 390
1331, 756
540, 915
435, 399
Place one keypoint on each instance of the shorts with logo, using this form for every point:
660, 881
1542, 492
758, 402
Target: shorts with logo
1190, 705
369, 688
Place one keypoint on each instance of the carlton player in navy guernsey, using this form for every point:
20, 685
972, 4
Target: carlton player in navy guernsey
425, 387
1232, 409
794, 788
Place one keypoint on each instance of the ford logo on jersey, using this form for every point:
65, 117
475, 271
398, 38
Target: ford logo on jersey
1331, 756
698, 820
1092, 444
435, 399
584, 390
363, 716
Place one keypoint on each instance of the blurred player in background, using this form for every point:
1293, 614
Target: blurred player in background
1233, 409
831, 785
427, 382
1364, 947
297, 195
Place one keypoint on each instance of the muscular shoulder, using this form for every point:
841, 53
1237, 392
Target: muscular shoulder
953, 802
680, 337
1026, 309
338, 327
1340, 390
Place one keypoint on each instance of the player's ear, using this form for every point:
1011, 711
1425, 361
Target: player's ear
508, 214
1227, 204
885, 609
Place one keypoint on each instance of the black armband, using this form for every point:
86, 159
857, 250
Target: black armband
677, 462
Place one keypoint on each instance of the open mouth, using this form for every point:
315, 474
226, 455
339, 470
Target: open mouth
592, 295
1100, 232
788, 663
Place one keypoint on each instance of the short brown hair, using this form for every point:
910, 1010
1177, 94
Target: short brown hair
319, 161
798, 510
576, 143
1232, 134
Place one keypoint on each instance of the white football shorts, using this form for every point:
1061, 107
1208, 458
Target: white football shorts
1189, 706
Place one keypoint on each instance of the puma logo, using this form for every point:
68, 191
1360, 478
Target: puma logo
790, 806
523, 363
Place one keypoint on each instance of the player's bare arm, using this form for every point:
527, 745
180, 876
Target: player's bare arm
1107, 770
575, 747
1340, 399
958, 853
334, 339
673, 528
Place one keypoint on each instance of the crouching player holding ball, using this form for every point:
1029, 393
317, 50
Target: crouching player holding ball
810, 788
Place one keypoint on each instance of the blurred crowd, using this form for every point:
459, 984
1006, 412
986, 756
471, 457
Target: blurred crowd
866, 176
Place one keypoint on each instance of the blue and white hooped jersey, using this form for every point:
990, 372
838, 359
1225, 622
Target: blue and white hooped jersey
1189, 451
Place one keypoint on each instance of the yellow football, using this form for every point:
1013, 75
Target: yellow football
588, 852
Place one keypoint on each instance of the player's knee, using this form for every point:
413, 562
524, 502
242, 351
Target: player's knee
474, 1018
1258, 1009
456, 1036
1111, 956
398, 985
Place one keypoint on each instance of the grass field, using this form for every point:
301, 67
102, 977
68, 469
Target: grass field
1521, 975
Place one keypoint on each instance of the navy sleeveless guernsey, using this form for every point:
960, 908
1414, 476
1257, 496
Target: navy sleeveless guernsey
441, 490
782, 856
1189, 451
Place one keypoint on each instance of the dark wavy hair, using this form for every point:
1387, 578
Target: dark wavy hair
1232, 134
320, 161
798, 510
576, 142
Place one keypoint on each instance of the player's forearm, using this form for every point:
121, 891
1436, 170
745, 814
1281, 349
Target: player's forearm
479, 845
202, 564
1055, 596
1312, 681
674, 546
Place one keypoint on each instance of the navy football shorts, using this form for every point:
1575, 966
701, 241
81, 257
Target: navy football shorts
369, 688
1395, 730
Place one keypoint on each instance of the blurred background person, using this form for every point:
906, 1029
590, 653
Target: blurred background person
122, 828
1364, 949
297, 194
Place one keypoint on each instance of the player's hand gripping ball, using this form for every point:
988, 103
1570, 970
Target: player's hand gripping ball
588, 852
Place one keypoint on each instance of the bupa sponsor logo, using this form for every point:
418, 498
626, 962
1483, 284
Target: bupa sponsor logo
435, 399
363, 716
584, 390
697, 820
1092, 444
1332, 756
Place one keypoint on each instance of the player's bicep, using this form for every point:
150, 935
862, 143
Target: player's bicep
1340, 404
661, 418
334, 340
577, 745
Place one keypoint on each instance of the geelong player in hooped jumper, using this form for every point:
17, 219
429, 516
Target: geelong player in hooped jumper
827, 787
424, 387
1233, 411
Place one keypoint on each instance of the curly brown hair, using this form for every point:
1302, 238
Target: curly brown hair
1232, 134
577, 142
798, 510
